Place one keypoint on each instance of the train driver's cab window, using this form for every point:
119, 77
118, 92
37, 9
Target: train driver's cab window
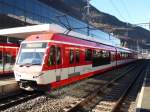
51, 60
88, 55
71, 56
77, 56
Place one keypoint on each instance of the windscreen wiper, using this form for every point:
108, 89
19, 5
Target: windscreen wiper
29, 64
26, 64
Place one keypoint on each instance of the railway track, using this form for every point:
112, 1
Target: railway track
118, 99
72, 94
56, 94
17, 99
128, 102
100, 97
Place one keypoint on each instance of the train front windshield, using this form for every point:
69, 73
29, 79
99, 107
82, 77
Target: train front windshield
31, 53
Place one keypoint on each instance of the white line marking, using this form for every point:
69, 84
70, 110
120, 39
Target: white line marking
139, 102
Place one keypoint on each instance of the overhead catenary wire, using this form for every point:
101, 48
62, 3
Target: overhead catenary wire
117, 9
125, 8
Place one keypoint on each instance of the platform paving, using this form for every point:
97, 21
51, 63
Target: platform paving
8, 87
143, 101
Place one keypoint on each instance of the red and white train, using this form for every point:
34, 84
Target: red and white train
8, 53
50, 60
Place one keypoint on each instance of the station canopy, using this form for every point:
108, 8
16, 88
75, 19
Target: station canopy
23, 32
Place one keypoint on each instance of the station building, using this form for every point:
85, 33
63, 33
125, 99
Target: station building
15, 13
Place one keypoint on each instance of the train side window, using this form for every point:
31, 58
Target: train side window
109, 54
104, 54
77, 56
126, 55
0, 57
122, 54
1, 61
51, 60
58, 55
111, 57
9, 59
94, 53
100, 54
71, 56
88, 55
5, 57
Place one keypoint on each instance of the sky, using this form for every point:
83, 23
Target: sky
131, 11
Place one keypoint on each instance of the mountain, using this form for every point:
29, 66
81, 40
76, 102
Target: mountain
101, 20
112, 24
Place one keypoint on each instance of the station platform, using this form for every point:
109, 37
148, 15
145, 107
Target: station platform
8, 87
143, 100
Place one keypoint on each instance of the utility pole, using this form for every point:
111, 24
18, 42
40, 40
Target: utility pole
127, 29
138, 48
7, 39
88, 17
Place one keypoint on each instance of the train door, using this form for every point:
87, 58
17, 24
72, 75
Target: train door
116, 52
118, 58
1, 60
55, 62
71, 68
77, 62
58, 57
6, 60
9, 59
112, 58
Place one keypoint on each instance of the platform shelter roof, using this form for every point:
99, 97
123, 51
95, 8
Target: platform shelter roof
25, 31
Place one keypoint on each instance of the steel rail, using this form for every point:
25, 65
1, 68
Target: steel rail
120, 100
100, 90
17, 99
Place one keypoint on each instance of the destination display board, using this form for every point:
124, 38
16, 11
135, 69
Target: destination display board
34, 45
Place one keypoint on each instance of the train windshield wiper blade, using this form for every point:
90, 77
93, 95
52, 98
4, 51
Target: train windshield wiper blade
26, 64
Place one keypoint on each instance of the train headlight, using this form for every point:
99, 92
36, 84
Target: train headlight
38, 75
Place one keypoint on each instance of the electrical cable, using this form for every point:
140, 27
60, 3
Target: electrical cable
117, 9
